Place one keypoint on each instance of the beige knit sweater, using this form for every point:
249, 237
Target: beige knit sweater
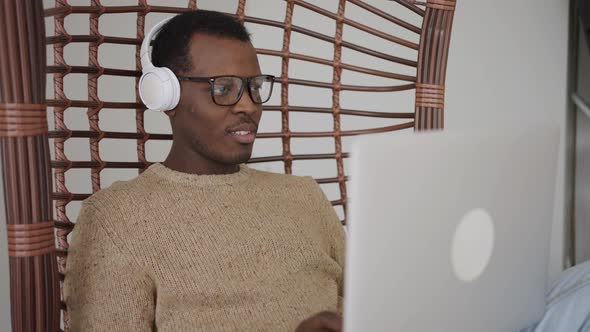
171, 251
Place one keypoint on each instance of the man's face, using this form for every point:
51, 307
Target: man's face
215, 132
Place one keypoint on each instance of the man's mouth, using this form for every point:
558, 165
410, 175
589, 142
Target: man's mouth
241, 133
244, 134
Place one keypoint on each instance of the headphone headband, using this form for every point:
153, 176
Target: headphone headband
146, 59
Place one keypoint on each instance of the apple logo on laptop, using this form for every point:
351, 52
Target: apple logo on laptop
473, 244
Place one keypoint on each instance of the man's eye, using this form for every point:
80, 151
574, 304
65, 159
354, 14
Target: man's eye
220, 90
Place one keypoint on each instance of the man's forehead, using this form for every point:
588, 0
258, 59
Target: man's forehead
211, 54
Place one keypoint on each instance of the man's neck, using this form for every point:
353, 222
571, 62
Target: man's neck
192, 164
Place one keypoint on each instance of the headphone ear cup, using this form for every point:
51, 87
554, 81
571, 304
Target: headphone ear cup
159, 89
173, 88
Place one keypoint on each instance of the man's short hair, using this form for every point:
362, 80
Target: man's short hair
171, 45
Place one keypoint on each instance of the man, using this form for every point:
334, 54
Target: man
201, 242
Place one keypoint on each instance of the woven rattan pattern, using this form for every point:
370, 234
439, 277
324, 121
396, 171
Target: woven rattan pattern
430, 67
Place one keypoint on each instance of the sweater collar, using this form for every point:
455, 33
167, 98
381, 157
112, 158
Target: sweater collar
200, 180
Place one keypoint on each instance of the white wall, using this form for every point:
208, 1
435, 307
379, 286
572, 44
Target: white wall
507, 65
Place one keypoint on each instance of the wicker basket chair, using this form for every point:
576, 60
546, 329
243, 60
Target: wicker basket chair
39, 195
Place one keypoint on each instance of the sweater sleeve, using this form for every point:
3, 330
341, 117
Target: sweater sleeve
335, 230
104, 289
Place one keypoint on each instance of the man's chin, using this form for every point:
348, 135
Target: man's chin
238, 158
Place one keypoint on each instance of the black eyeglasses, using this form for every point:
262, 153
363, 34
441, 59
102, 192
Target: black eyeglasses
228, 90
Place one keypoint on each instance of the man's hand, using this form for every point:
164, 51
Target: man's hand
325, 321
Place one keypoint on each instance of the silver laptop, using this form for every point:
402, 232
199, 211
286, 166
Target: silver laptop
450, 231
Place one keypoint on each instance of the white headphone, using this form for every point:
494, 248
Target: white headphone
159, 88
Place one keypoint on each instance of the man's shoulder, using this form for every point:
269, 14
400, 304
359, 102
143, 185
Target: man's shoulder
121, 194
295, 187
283, 180
115, 209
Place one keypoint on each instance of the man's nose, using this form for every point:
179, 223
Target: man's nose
246, 105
